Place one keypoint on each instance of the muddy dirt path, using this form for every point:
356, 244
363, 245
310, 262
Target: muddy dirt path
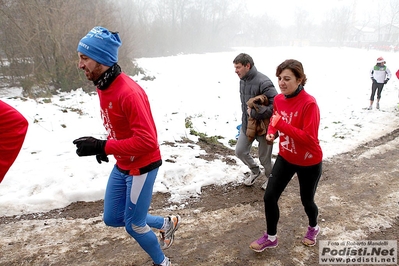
358, 198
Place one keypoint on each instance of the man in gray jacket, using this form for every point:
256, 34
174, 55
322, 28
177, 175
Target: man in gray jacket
252, 84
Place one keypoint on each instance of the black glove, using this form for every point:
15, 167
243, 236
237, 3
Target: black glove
87, 146
386, 81
373, 79
102, 157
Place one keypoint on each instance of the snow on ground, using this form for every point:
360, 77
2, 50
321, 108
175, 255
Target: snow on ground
203, 88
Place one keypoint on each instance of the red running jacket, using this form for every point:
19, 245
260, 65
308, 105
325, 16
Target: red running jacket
298, 129
127, 118
13, 128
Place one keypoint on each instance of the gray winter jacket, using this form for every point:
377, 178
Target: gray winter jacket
255, 83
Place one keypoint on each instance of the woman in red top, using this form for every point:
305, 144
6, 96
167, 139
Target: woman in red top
13, 128
296, 119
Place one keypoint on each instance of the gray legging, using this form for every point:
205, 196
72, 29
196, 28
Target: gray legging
282, 173
376, 87
243, 149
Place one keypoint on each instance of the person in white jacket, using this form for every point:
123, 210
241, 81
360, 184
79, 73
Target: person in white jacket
380, 75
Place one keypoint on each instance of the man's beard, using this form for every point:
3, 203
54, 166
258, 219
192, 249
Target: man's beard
95, 74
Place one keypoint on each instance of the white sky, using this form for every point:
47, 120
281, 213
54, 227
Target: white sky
48, 174
284, 10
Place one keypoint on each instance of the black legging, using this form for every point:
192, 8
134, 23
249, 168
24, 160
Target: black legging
374, 88
282, 173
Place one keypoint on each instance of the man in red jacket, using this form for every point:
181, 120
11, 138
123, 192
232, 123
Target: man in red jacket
132, 139
13, 128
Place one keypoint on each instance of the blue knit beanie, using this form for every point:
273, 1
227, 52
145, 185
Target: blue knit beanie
101, 45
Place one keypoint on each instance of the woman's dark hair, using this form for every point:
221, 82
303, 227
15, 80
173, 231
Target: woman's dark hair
295, 66
244, 59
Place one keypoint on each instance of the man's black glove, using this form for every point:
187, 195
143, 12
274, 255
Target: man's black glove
102, 157
87, 146
373, 79
386, 81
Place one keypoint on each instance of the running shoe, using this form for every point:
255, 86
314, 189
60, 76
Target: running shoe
167, 237
166, 262
310, 237
264, 186
250, 180
263, 243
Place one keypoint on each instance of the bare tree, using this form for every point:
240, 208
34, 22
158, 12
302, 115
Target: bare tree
337, 25
40, 38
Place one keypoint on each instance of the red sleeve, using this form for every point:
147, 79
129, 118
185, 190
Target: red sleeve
144, 138
13, 128
308, 135
270, 128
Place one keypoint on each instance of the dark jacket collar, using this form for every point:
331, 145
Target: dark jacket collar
295, 93
251, 73
105, 80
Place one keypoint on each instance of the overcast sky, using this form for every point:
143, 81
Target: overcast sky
284, 10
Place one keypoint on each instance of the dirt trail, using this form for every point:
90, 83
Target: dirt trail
358, 198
